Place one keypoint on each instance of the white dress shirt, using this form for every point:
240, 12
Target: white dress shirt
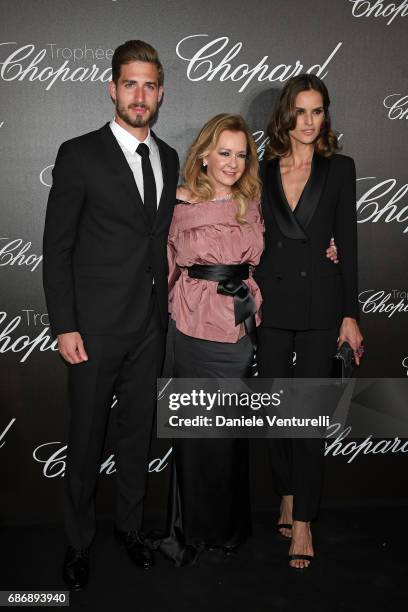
128, 143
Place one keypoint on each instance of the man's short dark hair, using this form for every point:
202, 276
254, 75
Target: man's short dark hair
135, 51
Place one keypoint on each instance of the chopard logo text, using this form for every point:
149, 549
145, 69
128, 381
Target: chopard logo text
27, 63
53, 456
16, 252
397, 105
217, 59
389, 303
25, 344
371, 208
390, 10
337, 445
5, 430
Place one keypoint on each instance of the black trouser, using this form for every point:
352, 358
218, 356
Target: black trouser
128, 366
297, 464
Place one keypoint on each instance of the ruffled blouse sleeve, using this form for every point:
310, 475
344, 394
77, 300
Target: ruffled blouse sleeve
208, 233
174, 270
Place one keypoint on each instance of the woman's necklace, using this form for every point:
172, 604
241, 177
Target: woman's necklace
227, 196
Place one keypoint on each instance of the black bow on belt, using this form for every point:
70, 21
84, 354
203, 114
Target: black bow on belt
231, 282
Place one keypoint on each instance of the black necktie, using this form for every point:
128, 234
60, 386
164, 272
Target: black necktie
149, 184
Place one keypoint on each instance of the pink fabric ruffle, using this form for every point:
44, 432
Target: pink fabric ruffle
208, 233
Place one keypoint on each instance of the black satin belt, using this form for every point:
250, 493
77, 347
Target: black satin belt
231, 282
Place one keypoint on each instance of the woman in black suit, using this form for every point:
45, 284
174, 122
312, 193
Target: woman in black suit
310, 305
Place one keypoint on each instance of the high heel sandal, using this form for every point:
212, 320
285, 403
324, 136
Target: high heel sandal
280, 526
301, 558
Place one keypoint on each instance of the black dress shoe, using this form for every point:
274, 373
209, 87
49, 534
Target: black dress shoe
76, 568
137, 549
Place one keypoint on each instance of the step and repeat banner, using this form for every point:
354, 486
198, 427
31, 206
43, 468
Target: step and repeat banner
55, 59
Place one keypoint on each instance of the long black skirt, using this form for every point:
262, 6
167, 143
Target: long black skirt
209, 497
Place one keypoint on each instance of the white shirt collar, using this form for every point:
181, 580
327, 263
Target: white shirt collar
127, 139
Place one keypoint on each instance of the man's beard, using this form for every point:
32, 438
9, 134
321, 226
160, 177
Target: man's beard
137, 120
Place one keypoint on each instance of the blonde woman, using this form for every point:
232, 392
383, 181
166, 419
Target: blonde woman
215, 238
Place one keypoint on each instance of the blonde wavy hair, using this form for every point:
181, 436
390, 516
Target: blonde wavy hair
247, 188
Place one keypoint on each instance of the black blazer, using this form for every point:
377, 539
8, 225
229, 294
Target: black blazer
301, 288
100, 256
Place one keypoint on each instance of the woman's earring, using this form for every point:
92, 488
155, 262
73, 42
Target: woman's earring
204, 166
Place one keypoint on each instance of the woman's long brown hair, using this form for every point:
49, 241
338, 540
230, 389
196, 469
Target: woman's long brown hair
284, 118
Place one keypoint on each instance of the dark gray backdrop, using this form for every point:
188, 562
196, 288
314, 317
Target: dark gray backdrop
54, 67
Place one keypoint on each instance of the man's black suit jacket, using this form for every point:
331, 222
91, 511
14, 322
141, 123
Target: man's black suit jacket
301, 288
100, 255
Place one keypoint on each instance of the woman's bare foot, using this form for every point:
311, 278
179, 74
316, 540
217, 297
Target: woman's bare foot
301, 544
286, 515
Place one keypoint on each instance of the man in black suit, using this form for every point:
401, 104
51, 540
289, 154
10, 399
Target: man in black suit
105, 281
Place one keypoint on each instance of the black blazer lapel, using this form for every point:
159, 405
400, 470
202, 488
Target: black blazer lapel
286, 220
166, 166
313, 190
120, 167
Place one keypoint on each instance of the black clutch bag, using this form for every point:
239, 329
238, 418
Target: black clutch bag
343, 362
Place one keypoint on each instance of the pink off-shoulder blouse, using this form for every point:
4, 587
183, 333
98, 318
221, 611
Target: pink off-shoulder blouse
208, 233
